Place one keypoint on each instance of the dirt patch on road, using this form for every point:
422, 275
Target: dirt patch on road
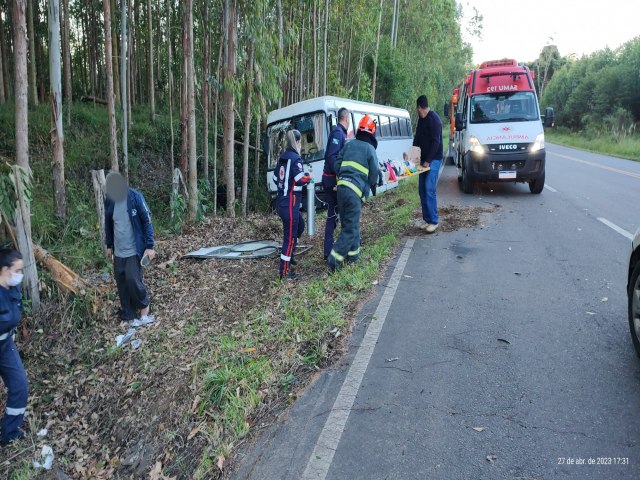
455, 217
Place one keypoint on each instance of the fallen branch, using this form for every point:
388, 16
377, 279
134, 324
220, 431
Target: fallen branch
62, 275
92, 99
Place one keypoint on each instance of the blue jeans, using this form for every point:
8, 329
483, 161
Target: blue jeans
427, 189
15, 379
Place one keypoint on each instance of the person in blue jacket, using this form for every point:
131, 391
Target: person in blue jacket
129, 242
11, 368
289, 176
337, 139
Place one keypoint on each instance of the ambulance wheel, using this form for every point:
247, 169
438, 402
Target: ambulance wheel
536, 186
466, 183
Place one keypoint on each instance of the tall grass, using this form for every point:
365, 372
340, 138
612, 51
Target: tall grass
624, 147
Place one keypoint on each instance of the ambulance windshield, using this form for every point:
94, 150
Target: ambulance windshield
312, 127
504, 107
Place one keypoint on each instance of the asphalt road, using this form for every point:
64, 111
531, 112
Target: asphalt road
517, 328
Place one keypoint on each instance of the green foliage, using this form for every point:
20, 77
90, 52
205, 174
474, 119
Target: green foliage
178, 207
598, 94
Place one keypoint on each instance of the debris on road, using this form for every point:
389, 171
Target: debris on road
392, 359
605, 299
491, 458
504, 341
479, 429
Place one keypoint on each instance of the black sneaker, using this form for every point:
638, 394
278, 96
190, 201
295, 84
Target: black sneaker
289, 277
293, 262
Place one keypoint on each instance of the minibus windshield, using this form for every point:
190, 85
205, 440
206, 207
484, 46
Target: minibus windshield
311, 126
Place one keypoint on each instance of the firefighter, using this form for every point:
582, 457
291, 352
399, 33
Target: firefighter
290, 177
11, 368
336, 141
357, 167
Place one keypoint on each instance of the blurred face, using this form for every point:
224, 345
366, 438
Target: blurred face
12, 276
422, 112
116, 187
299, 145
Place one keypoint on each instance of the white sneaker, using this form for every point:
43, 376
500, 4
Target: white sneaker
431, 228
425, 225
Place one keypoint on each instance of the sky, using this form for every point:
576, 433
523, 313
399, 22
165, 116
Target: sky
519, 29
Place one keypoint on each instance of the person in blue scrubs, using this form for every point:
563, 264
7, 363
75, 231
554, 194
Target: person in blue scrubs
11, 369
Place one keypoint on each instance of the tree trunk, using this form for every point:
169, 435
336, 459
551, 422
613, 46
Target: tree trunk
316, 73
114, 51
280, 43
215, 129
152, 86
205, 92
375, 56
184, 110
247, 129
256, 155
2, 67
66, 45
170, 69
100, 191
228, 115
33, 92
23, 209
57, 137
111, 108
5, 60
325, 45
123, 88
191, 108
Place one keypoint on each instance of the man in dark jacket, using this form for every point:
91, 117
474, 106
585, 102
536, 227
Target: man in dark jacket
130, 244
429, 139
357, 168
336, 141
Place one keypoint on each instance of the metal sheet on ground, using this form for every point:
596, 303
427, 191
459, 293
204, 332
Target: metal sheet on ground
252, 249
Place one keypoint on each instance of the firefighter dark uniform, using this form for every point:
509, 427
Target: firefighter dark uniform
290, 177
336, 142
357, 168
11, 368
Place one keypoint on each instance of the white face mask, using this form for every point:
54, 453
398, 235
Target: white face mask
15, 279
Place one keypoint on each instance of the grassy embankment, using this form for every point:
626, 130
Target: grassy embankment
232, 345
626, 147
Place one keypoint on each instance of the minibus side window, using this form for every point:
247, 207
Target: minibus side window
395, 127
385, 126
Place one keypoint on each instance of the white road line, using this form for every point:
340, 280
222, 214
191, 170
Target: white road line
615, 227
327, 444
597, 165
550, 188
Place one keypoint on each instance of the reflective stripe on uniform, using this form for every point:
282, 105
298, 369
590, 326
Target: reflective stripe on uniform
356, 165
351, 186
337, 256
4, 336
299, 176
354, 253
297, 188
285, 258
15, 411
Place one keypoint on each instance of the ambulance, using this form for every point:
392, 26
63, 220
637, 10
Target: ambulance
450, 113
499, 128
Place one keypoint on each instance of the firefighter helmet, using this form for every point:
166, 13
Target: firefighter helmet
367, 124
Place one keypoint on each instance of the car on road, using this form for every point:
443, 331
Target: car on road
633, 292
